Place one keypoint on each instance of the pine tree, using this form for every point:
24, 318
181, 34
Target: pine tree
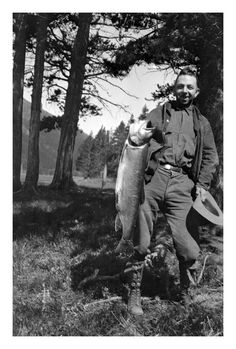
84, 160
32, 173
116, 145
99, 152
20, 24
144, 113
63, 173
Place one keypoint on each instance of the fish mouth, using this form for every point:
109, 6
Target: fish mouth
149, 126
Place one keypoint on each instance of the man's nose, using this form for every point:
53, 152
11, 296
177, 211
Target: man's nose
185, 89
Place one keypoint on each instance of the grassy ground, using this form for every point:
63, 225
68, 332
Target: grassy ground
59, 239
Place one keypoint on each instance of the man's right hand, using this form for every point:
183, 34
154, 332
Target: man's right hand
202, 192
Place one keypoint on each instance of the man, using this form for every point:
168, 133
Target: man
182, 160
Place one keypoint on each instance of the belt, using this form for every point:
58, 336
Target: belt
173, 168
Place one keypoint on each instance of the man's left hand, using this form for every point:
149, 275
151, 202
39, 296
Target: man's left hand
202, 192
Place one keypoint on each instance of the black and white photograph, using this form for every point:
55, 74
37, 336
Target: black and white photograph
117, 174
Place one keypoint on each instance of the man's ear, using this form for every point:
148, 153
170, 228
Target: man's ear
197, 92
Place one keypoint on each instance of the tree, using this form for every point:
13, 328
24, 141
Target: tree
33, 145
102, 153
93, 154
116, 145
18, 87
63, 172
144, 113
99, 152
84, 159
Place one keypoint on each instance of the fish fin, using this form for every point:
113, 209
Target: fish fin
118, 224
123, 151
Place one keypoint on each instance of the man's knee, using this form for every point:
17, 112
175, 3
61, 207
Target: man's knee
189, 254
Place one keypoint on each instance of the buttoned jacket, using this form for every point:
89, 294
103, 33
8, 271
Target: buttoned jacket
205, 158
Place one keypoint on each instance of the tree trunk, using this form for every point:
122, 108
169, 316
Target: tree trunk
32, 173
63, 173
18, 88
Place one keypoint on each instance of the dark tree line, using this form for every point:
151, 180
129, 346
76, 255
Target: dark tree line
103, 149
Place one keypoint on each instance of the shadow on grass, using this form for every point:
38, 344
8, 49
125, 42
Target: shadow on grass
51, 211
99, 255
85, 218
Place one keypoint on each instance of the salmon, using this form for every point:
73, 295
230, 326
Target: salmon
130, 186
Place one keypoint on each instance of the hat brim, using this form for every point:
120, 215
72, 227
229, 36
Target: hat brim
209, 209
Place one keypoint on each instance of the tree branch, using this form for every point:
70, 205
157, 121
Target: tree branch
59, 86
94, 74
109, 82
108, 101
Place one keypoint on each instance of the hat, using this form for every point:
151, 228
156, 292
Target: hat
209, 209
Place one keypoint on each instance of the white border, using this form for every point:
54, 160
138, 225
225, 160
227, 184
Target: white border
6, 179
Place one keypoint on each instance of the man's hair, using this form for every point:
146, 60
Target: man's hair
188, 71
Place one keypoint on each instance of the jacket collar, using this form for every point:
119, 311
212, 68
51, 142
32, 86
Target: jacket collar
196, 113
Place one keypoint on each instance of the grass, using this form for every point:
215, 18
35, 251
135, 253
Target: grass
59, 239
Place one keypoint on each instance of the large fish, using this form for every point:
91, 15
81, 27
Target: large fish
130, 181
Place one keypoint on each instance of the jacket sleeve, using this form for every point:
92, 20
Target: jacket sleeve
210, 158
155, 120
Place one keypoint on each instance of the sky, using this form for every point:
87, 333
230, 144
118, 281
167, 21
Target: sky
140, 82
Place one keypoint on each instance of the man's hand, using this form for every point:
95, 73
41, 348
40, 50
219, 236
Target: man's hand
157, 256
151, 260
139, 133
202, 192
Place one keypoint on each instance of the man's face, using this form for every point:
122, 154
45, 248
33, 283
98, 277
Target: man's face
186, 89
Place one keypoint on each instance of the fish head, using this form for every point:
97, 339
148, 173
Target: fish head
141, 131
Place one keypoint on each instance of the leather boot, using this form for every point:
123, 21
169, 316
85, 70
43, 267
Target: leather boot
134, 298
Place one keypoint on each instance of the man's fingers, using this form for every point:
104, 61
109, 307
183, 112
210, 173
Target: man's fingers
203, 196
202, 192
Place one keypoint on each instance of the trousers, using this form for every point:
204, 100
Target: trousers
170, 193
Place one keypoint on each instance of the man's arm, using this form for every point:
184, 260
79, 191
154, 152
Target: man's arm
209, 160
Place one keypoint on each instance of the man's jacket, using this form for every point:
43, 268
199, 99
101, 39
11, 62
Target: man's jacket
205, 159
